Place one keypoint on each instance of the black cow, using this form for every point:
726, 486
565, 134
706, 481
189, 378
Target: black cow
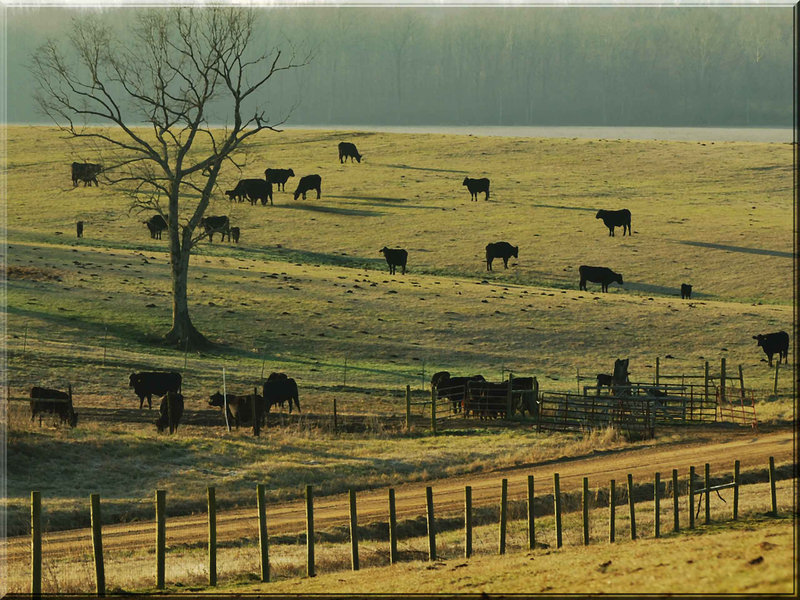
79, 228
502, 250
601, 275
306, 183
520, 386
774, 343
452, 388
170, 411
348, 150
615, 218
279, 177
475, 186
395, 257
279, 388
686, 291
212, 225
252, 189
240, 407
486, 400
85, 172
233, 232
149, 383
156, 224
604, 379
45, 400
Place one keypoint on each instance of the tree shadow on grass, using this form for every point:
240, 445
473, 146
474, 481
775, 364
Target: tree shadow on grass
742, 249
420, 168
354, 212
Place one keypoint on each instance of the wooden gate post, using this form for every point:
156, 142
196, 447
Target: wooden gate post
263, 538
212, 535
585, 511
467, 521
353, 530
676, 525
161, 537
36, 543
611, 512
408, 407
557, 508
431, 524
706, 381
310, 570
630, 504
503, 514
773, 496
708, 494
392, 528
691, 497
736, 482
531, 528
657, 506
97, 545
658, 369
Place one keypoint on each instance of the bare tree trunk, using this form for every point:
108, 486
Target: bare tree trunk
183, 333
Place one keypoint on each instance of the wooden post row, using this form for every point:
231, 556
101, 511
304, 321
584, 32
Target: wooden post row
657, 506
263, 538
531, 527
353, 531
503, 514
161, 537
736, 482
557, 508
585, 511
431, 524
97, 545
631, 505
467, 521
611, 512
773, 496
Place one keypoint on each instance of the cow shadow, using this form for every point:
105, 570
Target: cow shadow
742, 249
353, 212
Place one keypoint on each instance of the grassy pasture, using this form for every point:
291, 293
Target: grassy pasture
306, 290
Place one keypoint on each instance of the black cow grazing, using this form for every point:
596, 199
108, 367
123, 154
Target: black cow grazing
616, 218
279, 388
279, 177
502, 250
395, 257
170, 411
45, 400
149, 383
240, 407
452, 388
348, 150
475, 186
306, 183
156, 224
686, 291
85, 172
212, 225
233, 232
79, 228
252, 190
604, 379
601, 275
774, 343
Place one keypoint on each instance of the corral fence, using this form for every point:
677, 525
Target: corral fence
633, 416
694, 487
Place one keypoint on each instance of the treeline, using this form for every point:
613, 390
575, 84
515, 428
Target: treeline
696, 66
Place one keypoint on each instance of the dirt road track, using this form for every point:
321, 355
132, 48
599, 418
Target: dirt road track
753, 451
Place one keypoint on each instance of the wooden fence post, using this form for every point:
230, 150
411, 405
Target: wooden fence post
392, 528
263, 537
741, 382
408, 407
611, 512
212, 535
658, 369
433, 410
585, 511
353, 531
531, 527
467, 521
706, 381
722, 379
97, 544
431, 524
310, 571
708, 494
773, 496
657, 506
557, 508
691, 497
161, 537
736, 482
503, 514
676, 525
36, 542
631, 505
775, 384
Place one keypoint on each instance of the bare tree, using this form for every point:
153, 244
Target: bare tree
179, 68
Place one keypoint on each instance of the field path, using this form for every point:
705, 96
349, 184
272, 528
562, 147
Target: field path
753, 451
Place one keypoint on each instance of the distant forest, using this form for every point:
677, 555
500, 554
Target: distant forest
647, 66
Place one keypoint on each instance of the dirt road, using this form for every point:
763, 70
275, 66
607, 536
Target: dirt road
752, 450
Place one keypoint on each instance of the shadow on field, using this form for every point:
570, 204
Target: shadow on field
742, 249
659, 289
370, 198
421, 168
565, 207
353, 212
